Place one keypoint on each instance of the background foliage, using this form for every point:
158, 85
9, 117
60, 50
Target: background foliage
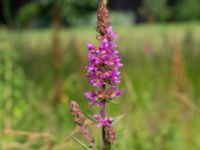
38, 13
160, 74
162, 113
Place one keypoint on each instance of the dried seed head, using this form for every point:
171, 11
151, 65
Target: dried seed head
103, 21
87, 135
77, 113
110, 135
80, 119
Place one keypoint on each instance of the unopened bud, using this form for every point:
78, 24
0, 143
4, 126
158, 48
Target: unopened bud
110, 135
77, 113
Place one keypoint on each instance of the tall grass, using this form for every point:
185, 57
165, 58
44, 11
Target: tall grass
156, 117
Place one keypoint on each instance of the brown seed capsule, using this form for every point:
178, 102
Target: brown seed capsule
77, 113
110, 135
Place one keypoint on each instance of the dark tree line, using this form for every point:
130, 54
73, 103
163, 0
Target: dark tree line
19, 11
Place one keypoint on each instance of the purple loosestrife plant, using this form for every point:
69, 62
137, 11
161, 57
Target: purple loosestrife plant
103, 70
103, 73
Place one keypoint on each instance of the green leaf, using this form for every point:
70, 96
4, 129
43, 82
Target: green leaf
81, 143
89, 116
119, 118
113, 101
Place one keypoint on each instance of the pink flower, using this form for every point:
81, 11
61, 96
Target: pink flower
103, 122
95, 97
90, 46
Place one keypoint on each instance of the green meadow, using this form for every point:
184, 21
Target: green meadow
160, 77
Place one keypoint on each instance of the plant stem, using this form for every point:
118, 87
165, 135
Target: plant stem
57, 53
103, 115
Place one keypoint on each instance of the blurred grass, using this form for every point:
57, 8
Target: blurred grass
157, 119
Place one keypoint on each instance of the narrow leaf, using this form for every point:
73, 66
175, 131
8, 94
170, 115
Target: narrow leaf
113, 101
119, 118
89, 116
81, 143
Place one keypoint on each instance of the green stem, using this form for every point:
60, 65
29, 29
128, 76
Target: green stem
103, 115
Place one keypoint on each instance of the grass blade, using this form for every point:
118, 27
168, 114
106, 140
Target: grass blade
119, 118
81, 143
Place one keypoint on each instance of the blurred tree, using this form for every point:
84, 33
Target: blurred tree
6, 11
56, 21
38, 13
71, 12
26, 13
78, 12
188, 10
154, 10
125, 5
